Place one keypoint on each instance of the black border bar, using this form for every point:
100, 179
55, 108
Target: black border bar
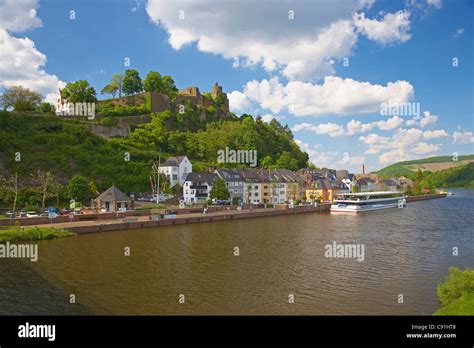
288, 330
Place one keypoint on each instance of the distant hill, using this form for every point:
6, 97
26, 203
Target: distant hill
432, 164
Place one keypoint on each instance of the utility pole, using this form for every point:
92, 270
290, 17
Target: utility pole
158, 173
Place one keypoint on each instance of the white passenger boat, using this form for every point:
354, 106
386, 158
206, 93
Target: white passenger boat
367, 201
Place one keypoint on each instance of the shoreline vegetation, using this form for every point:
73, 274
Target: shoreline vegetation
456, 294
31, 233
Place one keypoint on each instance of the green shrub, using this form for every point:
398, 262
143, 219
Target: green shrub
456, 294
108, 121
109, 109
15, 234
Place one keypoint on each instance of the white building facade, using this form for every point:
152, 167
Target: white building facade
176, 169
197, 187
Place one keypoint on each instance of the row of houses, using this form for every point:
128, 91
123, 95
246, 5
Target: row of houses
254, 186
250, 186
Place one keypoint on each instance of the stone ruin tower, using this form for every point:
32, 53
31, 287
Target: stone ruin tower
217, 91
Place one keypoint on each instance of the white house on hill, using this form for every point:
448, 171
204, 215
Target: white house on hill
176, 169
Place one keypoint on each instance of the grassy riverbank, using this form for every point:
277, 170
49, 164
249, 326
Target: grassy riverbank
16, 234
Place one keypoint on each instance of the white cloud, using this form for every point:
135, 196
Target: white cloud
393, 27
301, 48
351, 128
19, 15
458, 32
436, 3
268, 117
405, 144
20, 62
434, 134
463, 138
390, 123
238, 102
428, 119
331, 129
335, 96
331, 159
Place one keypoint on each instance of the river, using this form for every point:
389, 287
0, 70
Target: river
406, 251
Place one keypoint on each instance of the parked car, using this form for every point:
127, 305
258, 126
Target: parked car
53, 210
154, 196
31, 214
22, 213
10, 214
220, 202
64, 211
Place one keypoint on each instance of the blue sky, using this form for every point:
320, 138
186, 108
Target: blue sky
289, 68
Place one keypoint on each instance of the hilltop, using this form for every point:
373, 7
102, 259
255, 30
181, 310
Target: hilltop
67, 146
432, 164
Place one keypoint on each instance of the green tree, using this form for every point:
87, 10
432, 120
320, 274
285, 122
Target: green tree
111, 88
79, 92
117, 80
287, 161
46, 108
153, 82
47, 185
20, 99
177, 190
418, 176
219, 190
93, 188
132, 82
168, 85
78, 188
11, 187
266, 162
456, 294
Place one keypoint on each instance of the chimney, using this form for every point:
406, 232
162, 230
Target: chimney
363, 169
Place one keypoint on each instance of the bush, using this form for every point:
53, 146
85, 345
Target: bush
151, 206
108, 121
15, 234
108, 109
456, 294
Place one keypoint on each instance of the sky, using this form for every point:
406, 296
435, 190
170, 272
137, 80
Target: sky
368, 82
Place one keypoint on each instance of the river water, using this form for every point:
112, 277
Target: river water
406, 251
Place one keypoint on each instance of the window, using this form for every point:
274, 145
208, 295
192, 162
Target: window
175, 177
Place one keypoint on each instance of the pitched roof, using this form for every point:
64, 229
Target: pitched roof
208, 178
230, 174
364, 181
112, 194
389, 182
173, 161
322, 184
